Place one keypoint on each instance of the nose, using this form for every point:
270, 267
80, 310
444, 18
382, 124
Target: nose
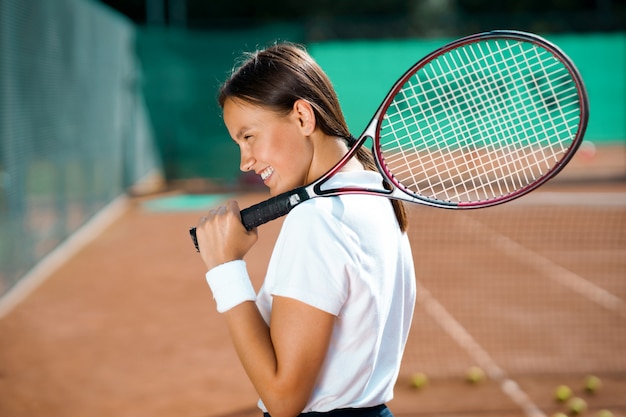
247, 161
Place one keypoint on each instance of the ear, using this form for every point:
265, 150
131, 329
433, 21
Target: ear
305, 116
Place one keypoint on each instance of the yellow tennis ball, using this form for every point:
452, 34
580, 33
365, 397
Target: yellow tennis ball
559, 415
604, 413
577, 405
475, 375
562, 393
419, 380
592, 383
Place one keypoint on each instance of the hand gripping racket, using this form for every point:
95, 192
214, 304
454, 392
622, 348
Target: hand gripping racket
478, 122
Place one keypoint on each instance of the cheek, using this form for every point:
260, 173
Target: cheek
285, 144
287, 157
291, 156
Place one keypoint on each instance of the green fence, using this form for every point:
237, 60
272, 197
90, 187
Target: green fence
363, 72
73, 128
183, 71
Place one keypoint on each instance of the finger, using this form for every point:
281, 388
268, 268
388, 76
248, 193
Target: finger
233, 205
202, 221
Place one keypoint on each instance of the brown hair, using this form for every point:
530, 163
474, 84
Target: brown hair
276, 77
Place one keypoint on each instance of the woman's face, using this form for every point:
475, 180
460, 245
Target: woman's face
272, 145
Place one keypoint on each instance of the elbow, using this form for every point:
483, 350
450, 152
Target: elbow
283, 409
282, 413
287, 402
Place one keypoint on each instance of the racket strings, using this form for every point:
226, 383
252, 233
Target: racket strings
485, 125
480, 121
488, 127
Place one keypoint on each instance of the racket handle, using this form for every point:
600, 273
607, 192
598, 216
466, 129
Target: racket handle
272, 208
265, 211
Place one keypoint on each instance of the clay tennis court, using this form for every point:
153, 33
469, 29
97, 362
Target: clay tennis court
533, 292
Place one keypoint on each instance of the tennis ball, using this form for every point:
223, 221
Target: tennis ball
475, 375
562, 393
559, 415
604, 413
419, 380
577, 405
592, 383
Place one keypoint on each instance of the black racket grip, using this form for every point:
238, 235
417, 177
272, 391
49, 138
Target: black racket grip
194, 238
265, 211
272, 208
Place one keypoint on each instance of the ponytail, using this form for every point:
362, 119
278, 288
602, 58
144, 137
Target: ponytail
367, 159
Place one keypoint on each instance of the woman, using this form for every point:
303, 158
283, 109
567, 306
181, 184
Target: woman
328, 328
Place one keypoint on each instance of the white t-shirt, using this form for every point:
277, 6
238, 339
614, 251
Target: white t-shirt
347, 256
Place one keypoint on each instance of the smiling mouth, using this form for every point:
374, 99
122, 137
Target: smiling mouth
266, 173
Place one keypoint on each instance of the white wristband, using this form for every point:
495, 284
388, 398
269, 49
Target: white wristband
230, 285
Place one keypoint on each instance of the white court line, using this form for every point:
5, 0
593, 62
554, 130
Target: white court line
457, 332
61, 254
550, 269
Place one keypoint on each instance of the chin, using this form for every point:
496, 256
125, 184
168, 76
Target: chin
277, 190
274, 191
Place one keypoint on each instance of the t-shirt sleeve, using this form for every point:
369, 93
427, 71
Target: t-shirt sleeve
312, 259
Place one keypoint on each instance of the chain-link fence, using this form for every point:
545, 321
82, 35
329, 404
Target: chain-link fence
73, 131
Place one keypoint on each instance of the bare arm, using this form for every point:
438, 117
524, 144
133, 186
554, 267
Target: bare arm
284, 361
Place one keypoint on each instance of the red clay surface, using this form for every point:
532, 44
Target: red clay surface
128, 328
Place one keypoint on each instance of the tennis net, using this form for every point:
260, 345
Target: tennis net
537, 285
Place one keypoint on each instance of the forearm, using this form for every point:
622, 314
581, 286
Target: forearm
253, 343
282, 363
251, 338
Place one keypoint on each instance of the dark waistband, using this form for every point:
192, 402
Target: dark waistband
345, 412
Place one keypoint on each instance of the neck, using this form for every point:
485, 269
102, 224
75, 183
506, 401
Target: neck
328, 150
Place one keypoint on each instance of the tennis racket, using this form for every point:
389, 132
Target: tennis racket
480, 121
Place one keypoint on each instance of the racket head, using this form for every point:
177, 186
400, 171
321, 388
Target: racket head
481, 121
